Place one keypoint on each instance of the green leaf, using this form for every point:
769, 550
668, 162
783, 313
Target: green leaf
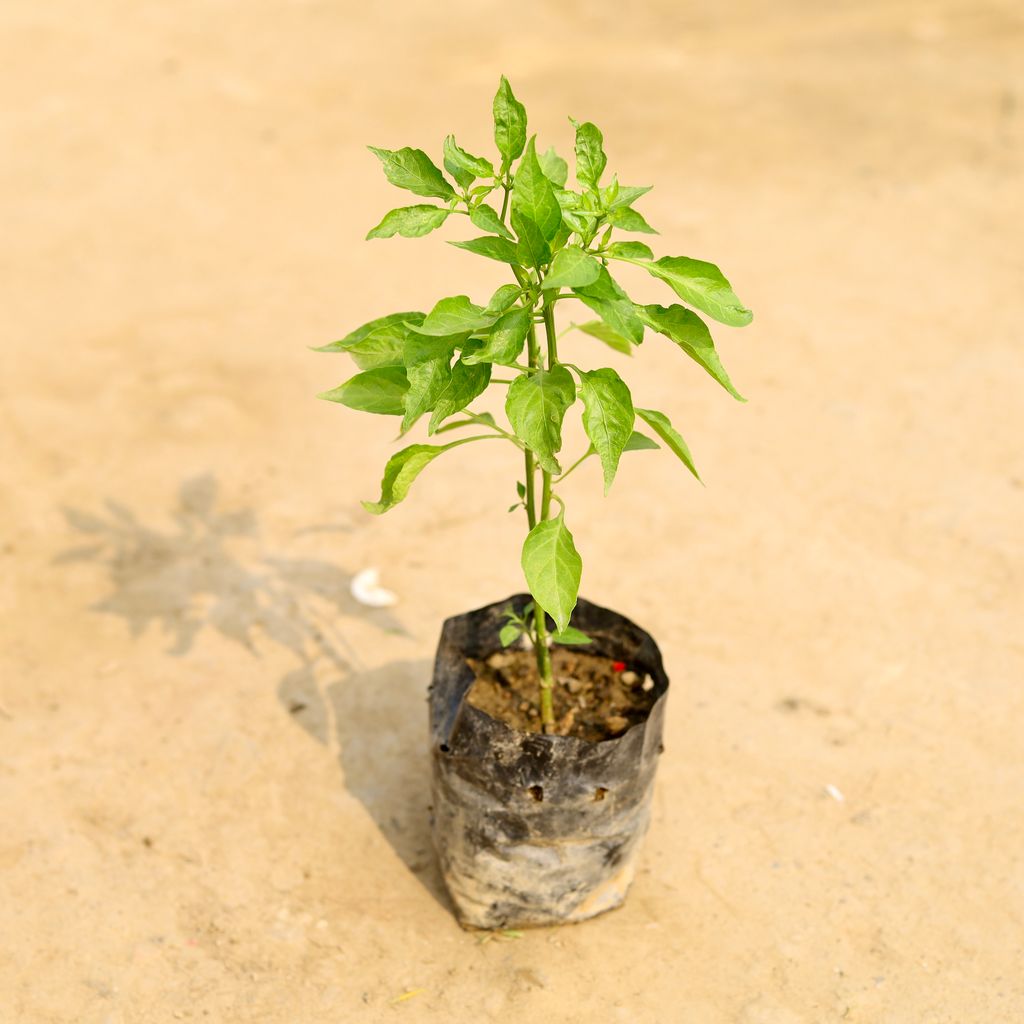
555, 169
600, 330
484, 217
390, 326
613, 306
410, 222
691, 334
590, 158
427, 381
630, 251
463, 166
605, 287
412, 169
510, 633
570, 636
628, 194
639, 443
428, 366
607, 418
533, 249
402, 469
578, 213
379, 391
536, 215
506, 339
422, 348
464, 384
454, 315
457, 424
535, 406
572, 268
659, 422
509, 123
617, 317
500, 249
702, 285
573, 214
626, 219
380, 350
504, 298
561, 236
553, 568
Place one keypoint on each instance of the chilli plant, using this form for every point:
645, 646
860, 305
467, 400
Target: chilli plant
558, 244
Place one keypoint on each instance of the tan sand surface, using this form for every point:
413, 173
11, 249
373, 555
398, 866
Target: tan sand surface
212, 785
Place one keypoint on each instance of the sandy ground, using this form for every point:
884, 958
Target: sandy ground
212, 760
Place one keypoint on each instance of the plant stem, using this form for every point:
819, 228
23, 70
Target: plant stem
586, 455
540, 625
476, 418
549, 330
530, 502
547, 679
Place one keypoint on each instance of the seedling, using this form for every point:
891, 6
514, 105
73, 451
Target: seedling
558, 244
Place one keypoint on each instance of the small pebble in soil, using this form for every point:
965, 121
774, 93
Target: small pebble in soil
592, 700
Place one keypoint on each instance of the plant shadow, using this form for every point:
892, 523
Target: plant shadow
210, 570
376, 721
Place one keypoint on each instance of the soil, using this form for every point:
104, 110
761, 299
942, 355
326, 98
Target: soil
594, 698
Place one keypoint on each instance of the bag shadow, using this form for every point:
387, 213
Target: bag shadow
377, 721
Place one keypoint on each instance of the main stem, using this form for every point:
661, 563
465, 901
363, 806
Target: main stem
543, 652
540, 630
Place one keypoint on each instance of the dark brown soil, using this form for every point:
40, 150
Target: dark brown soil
595, 698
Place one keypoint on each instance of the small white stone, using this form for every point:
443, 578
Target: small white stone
366, 589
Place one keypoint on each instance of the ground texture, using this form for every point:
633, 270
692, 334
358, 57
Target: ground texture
212, 759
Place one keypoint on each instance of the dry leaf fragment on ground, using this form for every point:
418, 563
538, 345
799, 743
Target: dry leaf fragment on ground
405, 996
